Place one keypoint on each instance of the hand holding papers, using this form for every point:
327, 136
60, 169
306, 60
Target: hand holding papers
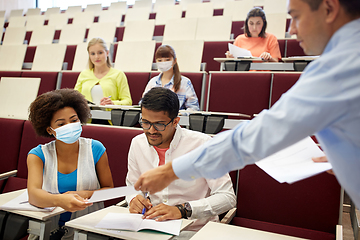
238, 52
103, 195
21, 203
134, 222
294, 163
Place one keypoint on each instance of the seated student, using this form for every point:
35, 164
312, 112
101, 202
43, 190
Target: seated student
102, 84
66, 171
171, 78
164, 140
256, 39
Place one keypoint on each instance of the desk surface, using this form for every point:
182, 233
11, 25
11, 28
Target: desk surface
6, 197
216, 231
89, 221
301, 58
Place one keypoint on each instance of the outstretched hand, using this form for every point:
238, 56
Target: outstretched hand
156, 179
72, 202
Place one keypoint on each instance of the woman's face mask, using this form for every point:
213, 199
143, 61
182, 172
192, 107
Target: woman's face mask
164, 66
68, 133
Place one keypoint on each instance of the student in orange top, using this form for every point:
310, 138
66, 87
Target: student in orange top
256, 40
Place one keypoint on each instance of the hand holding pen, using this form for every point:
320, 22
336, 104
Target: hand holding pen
106, 101
140, 204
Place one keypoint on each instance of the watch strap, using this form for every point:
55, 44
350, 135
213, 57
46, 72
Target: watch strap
182, 210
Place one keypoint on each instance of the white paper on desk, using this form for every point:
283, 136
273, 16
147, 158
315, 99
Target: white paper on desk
134, 222
106, 194
20, 203
238, 52
294, 163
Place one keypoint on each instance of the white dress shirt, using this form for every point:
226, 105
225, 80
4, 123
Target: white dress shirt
207, 197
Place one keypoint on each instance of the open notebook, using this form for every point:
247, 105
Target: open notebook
134, 222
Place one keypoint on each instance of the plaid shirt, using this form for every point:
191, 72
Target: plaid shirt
186, 93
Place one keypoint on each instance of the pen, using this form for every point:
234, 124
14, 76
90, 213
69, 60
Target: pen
23, 202
146, 195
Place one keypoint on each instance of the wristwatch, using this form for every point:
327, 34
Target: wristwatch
182, 210
188, 209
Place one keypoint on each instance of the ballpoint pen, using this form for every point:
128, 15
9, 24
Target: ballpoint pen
146, 195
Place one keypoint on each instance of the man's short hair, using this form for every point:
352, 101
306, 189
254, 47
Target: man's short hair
352, 7
160, 99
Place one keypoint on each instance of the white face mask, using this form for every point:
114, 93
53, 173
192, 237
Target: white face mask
164, 66
68, 133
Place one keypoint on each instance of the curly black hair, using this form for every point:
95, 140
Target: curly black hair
43, 108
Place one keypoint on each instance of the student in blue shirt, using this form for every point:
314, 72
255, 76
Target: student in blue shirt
66, 171
171, 78
325, 101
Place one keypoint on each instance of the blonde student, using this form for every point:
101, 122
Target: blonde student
102, 84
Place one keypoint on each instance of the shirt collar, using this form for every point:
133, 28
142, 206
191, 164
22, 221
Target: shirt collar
158, 81
345, 32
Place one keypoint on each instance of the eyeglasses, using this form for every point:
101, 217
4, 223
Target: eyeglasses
157, 126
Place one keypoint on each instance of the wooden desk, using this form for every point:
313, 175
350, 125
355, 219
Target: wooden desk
40, 222
88, 222
213, 230
246, 64
301, 62
184, 120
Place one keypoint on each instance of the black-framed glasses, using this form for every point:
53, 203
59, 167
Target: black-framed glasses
157, 126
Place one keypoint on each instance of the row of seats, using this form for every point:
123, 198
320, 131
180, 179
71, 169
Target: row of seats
130, 56
307, 209
235, 92
207, 29
186, 5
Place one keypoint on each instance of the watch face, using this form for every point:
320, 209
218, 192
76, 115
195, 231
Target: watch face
187, 206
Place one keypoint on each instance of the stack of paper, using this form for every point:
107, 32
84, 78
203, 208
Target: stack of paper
239, 52
21, 203
294, 163
134, 222
111, 193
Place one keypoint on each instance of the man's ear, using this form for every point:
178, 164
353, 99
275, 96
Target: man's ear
176, 120
332, 8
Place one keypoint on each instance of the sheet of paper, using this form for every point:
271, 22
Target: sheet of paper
102, 195
21, 203
134, 222
238, 52
294, 163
